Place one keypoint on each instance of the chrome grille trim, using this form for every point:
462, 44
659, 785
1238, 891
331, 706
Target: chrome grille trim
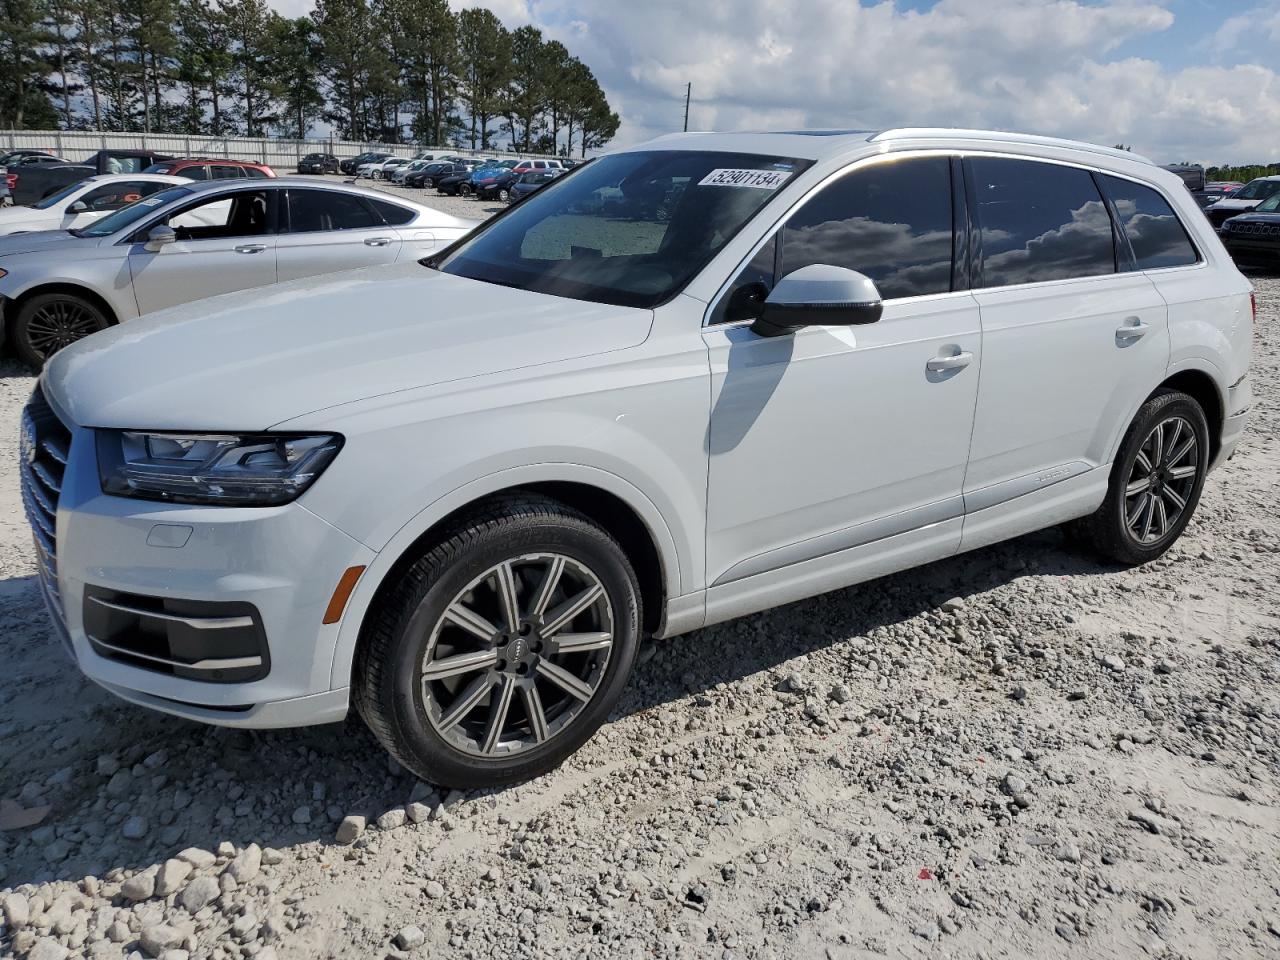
226, 663
44, 451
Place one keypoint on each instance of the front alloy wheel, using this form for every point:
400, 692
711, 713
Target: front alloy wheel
517, 655
48, 322
503, 648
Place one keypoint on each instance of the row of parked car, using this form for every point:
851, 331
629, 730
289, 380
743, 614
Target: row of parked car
486, 178
1245, 215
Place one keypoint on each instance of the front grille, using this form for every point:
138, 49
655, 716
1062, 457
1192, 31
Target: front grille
44, 449
1251, 228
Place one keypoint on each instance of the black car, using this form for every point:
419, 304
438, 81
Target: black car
352, 164
1244, 200
1214, 191
318, 163
494, 184
1254, 238
428, 175
531, 181
450, 183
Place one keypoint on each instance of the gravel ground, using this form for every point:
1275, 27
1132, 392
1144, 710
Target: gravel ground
1014, 753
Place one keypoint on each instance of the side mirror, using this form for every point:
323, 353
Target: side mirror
78, 207
819, 295
161, 235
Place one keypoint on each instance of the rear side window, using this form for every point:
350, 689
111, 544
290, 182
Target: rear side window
223, 171
314, 210
890, 221
197, 172
1039, 221
392, 213
256, 174
1154, 230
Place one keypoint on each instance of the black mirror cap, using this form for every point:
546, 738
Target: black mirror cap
779, 319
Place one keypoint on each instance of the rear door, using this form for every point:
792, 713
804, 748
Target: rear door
226, 242
327, 230
1073, 339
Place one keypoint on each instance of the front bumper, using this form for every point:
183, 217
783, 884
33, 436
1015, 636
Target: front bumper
283, 562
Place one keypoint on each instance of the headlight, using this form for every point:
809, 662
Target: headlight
245, 470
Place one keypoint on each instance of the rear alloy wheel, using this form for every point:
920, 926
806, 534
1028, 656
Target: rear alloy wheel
504, 195
1156, 481
502, 650
48, 322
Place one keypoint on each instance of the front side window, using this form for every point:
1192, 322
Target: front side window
630, 229
1156, 235
890, 221
197, 171
1039, 222
128, 216
225, 171
242, 214
314, 210
115, 196
1257, 190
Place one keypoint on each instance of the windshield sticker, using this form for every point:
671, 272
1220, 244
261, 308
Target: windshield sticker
760, 179
151, 201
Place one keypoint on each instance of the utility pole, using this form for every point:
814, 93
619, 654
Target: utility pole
688, 93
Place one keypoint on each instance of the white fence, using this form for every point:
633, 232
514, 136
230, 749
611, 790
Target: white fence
79, 144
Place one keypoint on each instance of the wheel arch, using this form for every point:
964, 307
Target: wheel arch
1202, 386
616, 506
17, 302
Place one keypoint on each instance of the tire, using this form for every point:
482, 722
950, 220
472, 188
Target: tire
465, 190
441, 725
375, 175
504, 195
1140, 518
50, 321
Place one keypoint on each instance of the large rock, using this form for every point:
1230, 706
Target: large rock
200, 859
172, 874
47, 949
141, 886
17, 911
247, 864
350, 828
199, 893
159, 937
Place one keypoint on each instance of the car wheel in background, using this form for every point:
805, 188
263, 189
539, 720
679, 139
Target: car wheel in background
48, 322
464, 190
1155, 481
504, 195
502, 650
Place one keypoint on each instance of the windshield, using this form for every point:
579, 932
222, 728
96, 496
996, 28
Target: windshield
127, 216
56, 198
1257, 190
630, 229
314, 156
1270, 206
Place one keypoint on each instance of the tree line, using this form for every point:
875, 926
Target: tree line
386, 70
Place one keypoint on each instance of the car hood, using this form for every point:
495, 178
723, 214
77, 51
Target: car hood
250, 360
1230, 204
44, 242
1255, 217
25, 218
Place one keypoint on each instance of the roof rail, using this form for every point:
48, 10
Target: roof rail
950, 133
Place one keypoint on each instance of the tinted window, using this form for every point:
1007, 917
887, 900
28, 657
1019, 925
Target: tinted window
311, 210
256, 174
891, 221
128, 216
1154, 231
393, 213
222, 171
198, 172
1257, 190
125, 164
1040, 221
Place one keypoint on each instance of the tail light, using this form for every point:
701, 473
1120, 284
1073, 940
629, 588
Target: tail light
11, 180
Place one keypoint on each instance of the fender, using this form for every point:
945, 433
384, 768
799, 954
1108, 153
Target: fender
1196, 364
376, 572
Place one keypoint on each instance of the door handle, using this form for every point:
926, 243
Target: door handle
251, 248
1132, 329
957, 361
377, 241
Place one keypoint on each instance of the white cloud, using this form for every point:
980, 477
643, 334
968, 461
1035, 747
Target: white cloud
1045, 66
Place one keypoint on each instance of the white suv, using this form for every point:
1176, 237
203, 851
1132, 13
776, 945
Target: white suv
682, 383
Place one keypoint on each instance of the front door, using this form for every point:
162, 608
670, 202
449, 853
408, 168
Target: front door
835, 437
226, 242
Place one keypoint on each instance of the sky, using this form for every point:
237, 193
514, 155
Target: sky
1178, 80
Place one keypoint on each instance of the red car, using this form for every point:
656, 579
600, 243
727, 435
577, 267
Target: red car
213, 168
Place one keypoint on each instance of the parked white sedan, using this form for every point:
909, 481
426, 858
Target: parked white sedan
197, 240
80, 204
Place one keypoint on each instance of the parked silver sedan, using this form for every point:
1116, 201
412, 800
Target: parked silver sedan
198, 240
